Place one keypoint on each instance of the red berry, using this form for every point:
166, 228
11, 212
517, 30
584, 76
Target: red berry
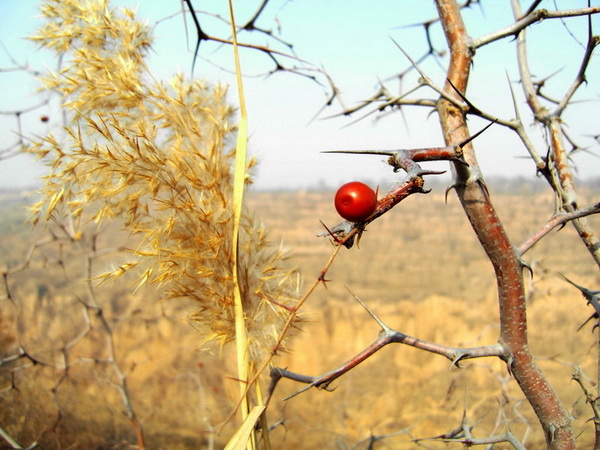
355, 201
44, 118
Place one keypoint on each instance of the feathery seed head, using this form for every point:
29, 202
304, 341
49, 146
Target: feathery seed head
158, 156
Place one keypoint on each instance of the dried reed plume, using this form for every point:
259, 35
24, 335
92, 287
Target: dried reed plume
160, 158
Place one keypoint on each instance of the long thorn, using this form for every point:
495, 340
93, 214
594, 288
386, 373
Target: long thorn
466, 141
381, 323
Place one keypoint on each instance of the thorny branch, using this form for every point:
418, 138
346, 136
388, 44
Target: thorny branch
66, 234
250, 25
343, 236
593, 402
592, 297
531, 17
558, 171
558, 220
406, 159
475, 200
121, 384
386, 336
551, 166
383, 99
552, 415
16, 147
463, 435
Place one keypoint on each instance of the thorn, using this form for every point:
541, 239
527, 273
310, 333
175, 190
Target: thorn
461, 161
325, 386
585, 291
350, 242
202, 36
306, 388
456, 361
316, 383
592, 297
323, 280
472, 107
514, 99
359, 237
484, 188
509, 365
593, 316
430, 172
333, 236
363, 152
469, 139
562, 225
527, 266
382, 324
448, 189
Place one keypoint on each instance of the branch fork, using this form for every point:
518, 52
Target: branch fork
387, 335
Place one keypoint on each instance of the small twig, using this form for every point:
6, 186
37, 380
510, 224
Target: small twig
203, 36
528, 19
372, 439
559, 219
592, 400
592, 297
426, 80
463, 434
593, 42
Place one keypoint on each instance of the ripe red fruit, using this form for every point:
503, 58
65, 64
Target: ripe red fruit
355, 201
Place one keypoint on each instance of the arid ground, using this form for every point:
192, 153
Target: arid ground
419, 268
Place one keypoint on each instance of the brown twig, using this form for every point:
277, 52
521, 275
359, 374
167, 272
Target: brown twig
387, 336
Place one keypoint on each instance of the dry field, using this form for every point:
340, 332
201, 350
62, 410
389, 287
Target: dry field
419, 268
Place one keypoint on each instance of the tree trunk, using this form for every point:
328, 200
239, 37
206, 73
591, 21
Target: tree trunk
474, 197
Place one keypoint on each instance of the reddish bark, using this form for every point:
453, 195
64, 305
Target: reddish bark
477, 205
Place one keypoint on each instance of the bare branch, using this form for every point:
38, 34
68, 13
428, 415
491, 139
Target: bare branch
531, 18
386, 336
463, 434
557, 220
592, 400
203, 36
558, 172
593, 41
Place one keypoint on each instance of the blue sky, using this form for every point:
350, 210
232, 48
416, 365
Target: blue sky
352, 42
